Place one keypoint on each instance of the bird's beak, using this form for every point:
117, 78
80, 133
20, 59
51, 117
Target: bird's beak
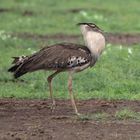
81, 23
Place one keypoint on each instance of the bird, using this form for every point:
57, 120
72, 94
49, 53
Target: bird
64, 57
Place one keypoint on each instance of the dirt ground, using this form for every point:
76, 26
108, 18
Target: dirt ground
126, 39
34, 120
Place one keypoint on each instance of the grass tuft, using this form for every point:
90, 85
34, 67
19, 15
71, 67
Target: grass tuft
97, 116
126, 114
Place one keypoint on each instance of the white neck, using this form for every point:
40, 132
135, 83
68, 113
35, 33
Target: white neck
95, 41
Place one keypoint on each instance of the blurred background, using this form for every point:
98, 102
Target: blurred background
26, 26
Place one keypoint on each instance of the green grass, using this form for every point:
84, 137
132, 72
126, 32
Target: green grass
51, 17
115, 76
123, 114
126, 114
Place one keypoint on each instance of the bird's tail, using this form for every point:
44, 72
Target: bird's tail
17, 66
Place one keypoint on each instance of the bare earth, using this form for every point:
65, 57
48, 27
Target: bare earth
34, 120
126, 39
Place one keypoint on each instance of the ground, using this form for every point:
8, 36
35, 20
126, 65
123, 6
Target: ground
34, 120
113, 38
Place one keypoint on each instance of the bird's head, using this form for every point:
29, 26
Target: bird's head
90, 27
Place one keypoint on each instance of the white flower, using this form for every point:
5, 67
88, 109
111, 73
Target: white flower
108, 45
104, 52
29, 49
129, 50
32, 52
83, 13
4, 35
120, 47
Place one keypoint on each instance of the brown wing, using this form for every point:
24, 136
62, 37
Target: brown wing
58, 56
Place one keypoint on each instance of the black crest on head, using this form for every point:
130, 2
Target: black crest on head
92, 25
87, 23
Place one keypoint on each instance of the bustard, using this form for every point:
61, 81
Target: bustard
64, 57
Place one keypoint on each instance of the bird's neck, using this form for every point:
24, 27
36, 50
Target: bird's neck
95, 42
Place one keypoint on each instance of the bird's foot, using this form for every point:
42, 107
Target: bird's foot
53, 106
78, 114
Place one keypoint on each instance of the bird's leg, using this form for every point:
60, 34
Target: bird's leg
49, 79
71, 93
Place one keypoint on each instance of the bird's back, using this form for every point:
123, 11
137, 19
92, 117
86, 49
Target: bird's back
64, 56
